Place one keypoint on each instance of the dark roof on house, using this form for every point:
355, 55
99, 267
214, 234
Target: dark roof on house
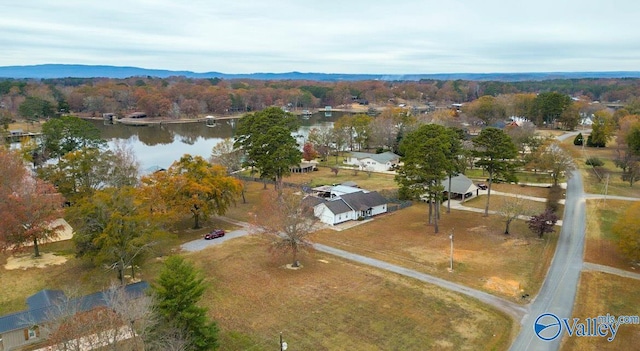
312, 201
337, 206
43, 303
361, 201
44, 298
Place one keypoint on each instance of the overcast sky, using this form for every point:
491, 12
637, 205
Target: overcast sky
328, 36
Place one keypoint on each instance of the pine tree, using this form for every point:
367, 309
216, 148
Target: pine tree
178, 290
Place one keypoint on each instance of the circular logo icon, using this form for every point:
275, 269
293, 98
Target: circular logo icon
547, 326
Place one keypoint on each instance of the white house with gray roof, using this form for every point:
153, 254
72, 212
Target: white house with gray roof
374, 162
348, 206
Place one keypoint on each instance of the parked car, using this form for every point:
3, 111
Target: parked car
482, 186
216, 233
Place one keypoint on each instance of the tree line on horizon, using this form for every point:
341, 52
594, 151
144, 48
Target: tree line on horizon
180, 97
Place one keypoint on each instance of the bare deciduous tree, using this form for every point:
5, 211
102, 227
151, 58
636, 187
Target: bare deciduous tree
511, 209
287, 221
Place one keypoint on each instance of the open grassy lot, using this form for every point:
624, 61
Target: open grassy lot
601, 245
332, 304
602, 293
484, 258
329, 304
595, 180
497, 201
324, 176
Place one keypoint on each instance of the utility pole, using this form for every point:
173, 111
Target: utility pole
451, 260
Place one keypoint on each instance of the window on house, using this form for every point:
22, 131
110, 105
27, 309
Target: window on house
31, 333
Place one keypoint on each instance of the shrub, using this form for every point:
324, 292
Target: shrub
594, 162
556, 193
579, 139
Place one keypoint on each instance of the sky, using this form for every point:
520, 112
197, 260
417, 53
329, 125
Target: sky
325, 36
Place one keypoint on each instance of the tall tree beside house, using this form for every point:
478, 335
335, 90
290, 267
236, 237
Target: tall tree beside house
28, 206
265, 137
427, 159
191, 185
286, 221
178, 291
495, 152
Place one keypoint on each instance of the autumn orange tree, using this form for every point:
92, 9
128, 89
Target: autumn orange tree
287, 220
28, 206
627, 228
191, 185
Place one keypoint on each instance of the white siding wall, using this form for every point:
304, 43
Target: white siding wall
14, 339
378, 210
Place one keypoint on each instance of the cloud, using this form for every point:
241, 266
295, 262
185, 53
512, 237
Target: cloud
404, 36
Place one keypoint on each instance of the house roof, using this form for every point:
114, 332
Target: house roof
460, 184
343, 189
361, 201
43, 303
44, 298
383, 158
337, 206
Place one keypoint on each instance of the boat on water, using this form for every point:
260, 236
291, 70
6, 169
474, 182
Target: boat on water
210, 121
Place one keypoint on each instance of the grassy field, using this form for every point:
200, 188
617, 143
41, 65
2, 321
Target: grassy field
331, 304
595, 180
602, 293
484, 258
601, 245
324, 176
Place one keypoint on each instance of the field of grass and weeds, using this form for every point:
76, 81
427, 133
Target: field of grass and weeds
484, 258
329, 304
602, 293
601, 244
333, 304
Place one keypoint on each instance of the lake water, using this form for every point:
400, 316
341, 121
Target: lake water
161, 145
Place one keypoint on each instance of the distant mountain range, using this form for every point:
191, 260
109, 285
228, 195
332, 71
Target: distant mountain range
46, 71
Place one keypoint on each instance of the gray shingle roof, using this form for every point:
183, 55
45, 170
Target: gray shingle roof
362, 201
337, 206
41, 303
460, 184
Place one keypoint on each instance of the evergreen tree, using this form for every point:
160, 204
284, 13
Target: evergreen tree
178, 290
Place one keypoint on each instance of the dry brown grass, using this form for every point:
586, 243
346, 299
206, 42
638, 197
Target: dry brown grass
497, 201
324, 176
599, 294
332, 304
595, 179
601, 245
481, 250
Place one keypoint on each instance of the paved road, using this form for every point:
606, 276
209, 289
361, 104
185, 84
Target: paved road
511, 308
587, 266
558, 291
199, 244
